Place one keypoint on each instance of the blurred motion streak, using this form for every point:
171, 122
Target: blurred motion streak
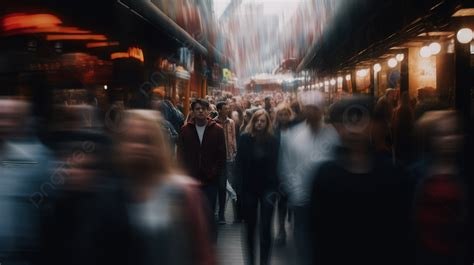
76, 37
23, 21
101, 44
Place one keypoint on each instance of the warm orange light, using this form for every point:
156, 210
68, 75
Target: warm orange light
76, 37
119, 55
23, 21
57, 29
136, 53
101, 44
132, 52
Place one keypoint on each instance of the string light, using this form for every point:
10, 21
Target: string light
392, 63
435, 48
425, 52
464, 35
377, 67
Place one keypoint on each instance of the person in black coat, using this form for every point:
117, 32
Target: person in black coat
256, 165
361, 206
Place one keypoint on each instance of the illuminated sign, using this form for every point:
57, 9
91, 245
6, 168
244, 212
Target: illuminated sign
76, 37
226, 74
24, 21
101, 44
133, 52
136, 53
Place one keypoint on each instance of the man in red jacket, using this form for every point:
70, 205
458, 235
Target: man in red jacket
202, 151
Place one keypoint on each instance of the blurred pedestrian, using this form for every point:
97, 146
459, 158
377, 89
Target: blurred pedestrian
154, 214
307, 145
360, 206
201, 149
231, 151
382, 117
441, 202
25, 183
403, 124
256, 165
283, 115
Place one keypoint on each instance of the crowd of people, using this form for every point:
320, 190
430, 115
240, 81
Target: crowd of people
360, 180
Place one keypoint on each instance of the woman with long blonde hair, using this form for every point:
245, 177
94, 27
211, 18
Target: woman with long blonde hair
256, 166
156, 215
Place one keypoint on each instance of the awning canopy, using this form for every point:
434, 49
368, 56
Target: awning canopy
367, 29
151, 13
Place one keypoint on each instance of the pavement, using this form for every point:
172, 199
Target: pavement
230, 243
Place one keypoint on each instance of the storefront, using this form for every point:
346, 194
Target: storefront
126, 55
428, 50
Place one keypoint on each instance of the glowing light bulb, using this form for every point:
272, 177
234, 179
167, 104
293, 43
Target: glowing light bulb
425, 52
333, 82
400, 57
340, 79
362, 73
435, 48
464, 35
392, 63
377, 67
348, 77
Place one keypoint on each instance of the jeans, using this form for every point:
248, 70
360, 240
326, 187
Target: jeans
250, 210
227, 174
236, 183
210, 193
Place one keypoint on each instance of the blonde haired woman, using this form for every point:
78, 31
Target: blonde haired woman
256, 165
157, 215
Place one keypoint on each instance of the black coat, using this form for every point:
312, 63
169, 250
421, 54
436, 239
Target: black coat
362, 218
256, 164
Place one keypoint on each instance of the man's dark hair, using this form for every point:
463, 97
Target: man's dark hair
220, 104
201, 102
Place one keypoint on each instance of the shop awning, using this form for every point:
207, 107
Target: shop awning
367, 28
152, 14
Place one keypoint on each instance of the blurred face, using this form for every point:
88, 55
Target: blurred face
12, 116
391, 95
81, 172
246, 117
224, 112
260, 123
200, 112
137, 146
354, 130
283, 117
268, 103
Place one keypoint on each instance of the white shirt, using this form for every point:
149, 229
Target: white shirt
200, 130
301, 154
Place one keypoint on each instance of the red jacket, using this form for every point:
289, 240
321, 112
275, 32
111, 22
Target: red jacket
206, 161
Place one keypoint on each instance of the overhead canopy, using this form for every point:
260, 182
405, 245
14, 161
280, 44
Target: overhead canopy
138, 23
151, 13
368, 28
